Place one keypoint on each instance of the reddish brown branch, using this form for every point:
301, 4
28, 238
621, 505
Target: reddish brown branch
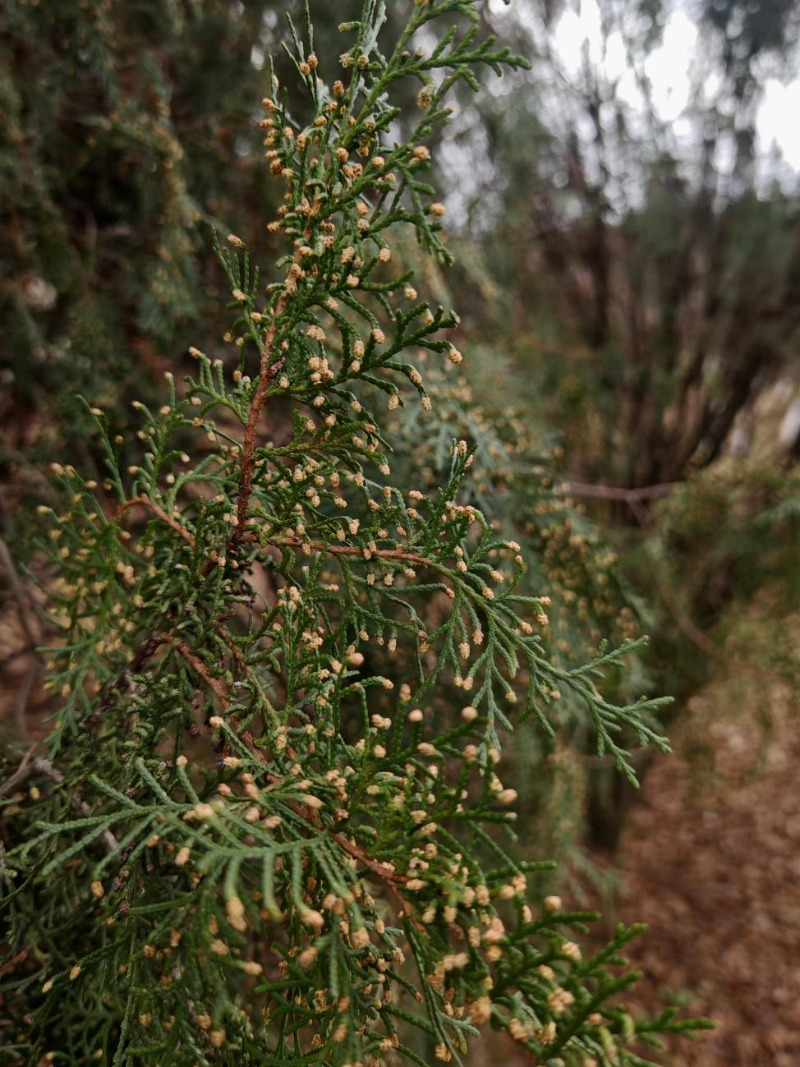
307, 814
214, 684
9, 965
390, 877
146, 502
267, 371
346, 550
626, 496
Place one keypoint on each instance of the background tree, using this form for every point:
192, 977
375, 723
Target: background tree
655, 261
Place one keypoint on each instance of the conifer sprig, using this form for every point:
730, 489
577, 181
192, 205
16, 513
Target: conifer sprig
269, 851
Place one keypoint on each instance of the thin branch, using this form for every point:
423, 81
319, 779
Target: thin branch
32, 638
267, 371
347, 550
633, 498
146, 650
19, 775
146, 502
390, 877
214, 684
626, 496
9, 965
310, 816
27, 768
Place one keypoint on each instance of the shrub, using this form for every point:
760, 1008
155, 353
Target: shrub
247, 843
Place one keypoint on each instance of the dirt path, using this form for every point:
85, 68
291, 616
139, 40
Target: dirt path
711, 857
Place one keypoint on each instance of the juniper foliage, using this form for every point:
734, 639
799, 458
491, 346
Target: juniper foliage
246, 846
514, 480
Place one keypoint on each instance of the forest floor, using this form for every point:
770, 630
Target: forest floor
710, 860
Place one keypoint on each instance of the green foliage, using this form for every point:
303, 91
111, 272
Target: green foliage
723, 542
118, 129
514, 481
567, 567
247, 845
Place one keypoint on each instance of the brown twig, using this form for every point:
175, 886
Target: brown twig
9, 965
266, 372
32, 638
390, 877
346, 550
19, 775
146, 650
633, 498
626, 496
214, 684
28, 767
146, 502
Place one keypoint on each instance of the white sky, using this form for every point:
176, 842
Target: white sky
669, 69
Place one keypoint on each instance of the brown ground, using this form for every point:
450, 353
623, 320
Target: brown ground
711, 858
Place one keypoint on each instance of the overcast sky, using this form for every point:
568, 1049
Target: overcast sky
669, 70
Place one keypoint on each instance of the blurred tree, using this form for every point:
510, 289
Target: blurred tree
658, 256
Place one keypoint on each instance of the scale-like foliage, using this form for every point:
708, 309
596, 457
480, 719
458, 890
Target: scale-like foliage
246, 845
